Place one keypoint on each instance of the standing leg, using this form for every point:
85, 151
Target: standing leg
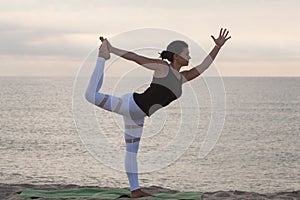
133, 133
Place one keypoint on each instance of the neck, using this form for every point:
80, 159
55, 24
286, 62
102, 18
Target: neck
175, 66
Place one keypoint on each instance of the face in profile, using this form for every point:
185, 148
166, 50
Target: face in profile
184, 57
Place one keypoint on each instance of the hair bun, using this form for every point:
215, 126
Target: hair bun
167, 55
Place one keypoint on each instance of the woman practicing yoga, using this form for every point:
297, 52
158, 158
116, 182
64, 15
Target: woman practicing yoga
166, 86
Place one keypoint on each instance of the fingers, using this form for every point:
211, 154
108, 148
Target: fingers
213, 37
227, 38
220, 34
224, 33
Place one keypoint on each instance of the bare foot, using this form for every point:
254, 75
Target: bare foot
139, 193
103, 49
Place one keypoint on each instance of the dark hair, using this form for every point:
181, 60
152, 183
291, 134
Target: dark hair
175, 47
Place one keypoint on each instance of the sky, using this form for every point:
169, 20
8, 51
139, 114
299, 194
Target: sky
54, 37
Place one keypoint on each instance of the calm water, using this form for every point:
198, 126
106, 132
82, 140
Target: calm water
258, 149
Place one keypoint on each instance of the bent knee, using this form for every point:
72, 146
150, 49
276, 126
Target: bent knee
90, 96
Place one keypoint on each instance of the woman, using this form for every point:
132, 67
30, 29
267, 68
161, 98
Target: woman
166, 86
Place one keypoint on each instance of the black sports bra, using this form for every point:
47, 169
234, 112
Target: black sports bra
160, 93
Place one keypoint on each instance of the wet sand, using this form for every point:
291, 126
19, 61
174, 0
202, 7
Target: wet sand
9, 191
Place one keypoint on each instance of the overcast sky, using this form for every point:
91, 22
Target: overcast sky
52, 38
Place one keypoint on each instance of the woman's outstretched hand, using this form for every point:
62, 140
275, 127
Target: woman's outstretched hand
220, 41
109, 46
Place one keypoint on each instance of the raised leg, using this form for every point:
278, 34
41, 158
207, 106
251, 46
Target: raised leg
133, 118
92, 94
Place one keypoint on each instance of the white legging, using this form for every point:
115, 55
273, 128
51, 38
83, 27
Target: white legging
133, 118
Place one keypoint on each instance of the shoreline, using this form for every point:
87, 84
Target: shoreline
9, 191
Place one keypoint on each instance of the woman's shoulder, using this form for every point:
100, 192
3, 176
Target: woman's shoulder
163, 62
162, 70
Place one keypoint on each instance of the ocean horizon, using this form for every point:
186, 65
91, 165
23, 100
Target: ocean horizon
257, 149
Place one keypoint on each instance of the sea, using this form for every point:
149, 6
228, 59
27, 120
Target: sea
242, 133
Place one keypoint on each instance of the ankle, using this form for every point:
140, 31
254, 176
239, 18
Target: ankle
136, 190
139, 193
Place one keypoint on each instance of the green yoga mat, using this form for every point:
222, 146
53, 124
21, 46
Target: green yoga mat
100, 194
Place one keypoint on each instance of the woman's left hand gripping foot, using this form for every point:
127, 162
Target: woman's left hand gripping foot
103, 49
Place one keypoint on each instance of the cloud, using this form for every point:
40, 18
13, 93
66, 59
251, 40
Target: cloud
19, 41
69, 29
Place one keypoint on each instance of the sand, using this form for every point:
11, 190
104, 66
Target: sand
9, 191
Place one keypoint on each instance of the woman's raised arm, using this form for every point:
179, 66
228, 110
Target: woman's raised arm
149, 63
199, 69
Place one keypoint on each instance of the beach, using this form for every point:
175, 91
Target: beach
10, 191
